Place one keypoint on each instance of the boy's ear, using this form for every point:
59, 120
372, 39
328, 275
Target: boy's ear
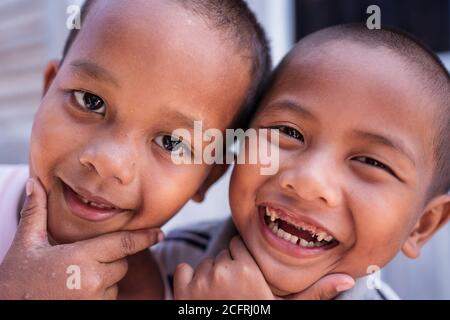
435, 216
50, 74
216, 173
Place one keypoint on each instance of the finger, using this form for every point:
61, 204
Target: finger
116, 246
204, 269
239, 251
114, 272
33, 222
326, 288
111, 293
223, 257
182, 278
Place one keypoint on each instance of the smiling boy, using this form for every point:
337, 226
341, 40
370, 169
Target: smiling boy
364, 121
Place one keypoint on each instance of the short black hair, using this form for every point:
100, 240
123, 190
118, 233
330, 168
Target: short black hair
436, 79
236, 19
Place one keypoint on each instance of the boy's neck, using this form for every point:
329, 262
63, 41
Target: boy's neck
143, 280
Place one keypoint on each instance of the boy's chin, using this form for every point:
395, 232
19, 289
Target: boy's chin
292, 283
279, 293
284, 293
59, 237
65, 234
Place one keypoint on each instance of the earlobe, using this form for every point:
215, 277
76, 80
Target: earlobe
50, 74
410, 248
435, 216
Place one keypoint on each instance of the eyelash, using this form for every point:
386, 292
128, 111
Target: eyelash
163, 140
375, 163
290, 132
79, 98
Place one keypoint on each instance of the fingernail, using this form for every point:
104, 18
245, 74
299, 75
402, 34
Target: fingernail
29, 187
344, 286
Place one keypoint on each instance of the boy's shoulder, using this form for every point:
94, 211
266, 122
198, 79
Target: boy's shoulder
9, 171
12, 183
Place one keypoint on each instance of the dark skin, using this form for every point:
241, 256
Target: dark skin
355, 156
147, 92
143, 270
143, 281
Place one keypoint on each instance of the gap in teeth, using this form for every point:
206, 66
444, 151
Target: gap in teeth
291, 238
93, 204
321, 237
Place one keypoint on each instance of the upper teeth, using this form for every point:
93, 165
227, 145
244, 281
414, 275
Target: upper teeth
94, 204
320, 236
271, 213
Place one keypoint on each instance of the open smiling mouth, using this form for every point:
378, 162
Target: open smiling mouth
303, 235
88, 207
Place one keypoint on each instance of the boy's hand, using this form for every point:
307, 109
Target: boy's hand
234, 275
33, 269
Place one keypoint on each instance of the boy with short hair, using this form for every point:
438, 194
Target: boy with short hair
364, 125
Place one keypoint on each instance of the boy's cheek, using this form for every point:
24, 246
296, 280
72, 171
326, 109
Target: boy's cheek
373, 249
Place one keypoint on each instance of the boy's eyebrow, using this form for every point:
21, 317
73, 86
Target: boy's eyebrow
95, 71
182, 119
388, 142
293, 106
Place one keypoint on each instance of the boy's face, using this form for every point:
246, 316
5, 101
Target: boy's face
355, 164
103, 131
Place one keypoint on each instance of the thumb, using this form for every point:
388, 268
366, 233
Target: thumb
33, 217
326, 288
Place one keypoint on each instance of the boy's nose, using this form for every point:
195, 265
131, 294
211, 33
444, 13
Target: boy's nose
110, 161
312, 180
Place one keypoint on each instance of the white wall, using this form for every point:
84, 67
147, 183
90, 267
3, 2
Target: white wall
278, 18
31, 33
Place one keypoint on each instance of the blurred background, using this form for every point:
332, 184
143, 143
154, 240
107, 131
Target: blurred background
33, 32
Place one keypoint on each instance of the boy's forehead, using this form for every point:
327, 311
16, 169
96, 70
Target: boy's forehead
354, 71
155, 16
347, 55
137, 33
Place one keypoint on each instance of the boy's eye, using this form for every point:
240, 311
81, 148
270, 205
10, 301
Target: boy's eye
374, 163
291, 132
90, 102
172, 144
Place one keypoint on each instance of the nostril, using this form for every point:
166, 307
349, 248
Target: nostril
88, 165
290, 186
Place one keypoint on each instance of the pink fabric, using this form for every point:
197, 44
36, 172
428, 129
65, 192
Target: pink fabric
12, 184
